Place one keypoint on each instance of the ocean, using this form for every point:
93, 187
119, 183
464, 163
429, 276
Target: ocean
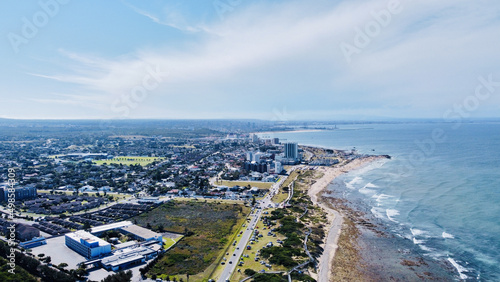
440, 191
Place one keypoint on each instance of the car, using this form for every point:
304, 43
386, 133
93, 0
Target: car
227, 254
230, 262
222, 263
237, 248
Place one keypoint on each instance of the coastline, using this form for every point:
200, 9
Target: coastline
288, 131
357, 247
335, 218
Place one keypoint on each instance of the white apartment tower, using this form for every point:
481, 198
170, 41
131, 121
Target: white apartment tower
291, 151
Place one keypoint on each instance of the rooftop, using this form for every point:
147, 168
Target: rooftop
127, 255
80, 234
110, 226
140, 231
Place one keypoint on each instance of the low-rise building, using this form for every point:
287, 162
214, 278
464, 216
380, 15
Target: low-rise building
128, 257
35, 242
87, 244
141, 233
26, 232
21, 193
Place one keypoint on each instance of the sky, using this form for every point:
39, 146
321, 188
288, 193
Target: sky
262, 59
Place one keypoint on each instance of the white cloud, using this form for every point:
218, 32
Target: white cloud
430, 54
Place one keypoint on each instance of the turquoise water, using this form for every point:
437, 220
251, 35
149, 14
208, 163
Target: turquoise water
442, 194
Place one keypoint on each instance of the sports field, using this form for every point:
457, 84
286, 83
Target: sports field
129, 160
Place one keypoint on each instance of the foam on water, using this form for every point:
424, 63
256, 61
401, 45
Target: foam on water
381, 197
366, 191
378, 212
355, 180
460, 269
418, 242
447, 235
391, 213
418, 232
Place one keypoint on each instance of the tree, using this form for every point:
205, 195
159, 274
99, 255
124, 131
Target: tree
86, 226
249, 272
119, 277
253, 201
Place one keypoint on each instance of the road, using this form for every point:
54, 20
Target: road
234, 259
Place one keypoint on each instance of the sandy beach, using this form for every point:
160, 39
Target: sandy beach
289, 131
335, 218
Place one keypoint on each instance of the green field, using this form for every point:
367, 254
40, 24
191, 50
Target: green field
169, 242
258, 184
129, 160
282, 195
208, 228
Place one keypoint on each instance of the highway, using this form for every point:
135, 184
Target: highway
232, 260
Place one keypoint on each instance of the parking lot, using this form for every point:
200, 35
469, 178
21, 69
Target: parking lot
57, 250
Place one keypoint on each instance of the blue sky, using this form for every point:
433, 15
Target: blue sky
274, 60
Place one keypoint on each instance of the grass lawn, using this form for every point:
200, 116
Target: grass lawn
262, 242
281, 195
258, 184
169, 242
128, 160
290, 178
208, 228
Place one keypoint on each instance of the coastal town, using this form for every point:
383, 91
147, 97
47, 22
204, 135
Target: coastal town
194, 205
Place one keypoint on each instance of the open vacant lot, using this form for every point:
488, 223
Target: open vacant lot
207, 227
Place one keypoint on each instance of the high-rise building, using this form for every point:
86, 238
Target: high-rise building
257, 157
277, 167
250, 156
254, 138
291, 151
